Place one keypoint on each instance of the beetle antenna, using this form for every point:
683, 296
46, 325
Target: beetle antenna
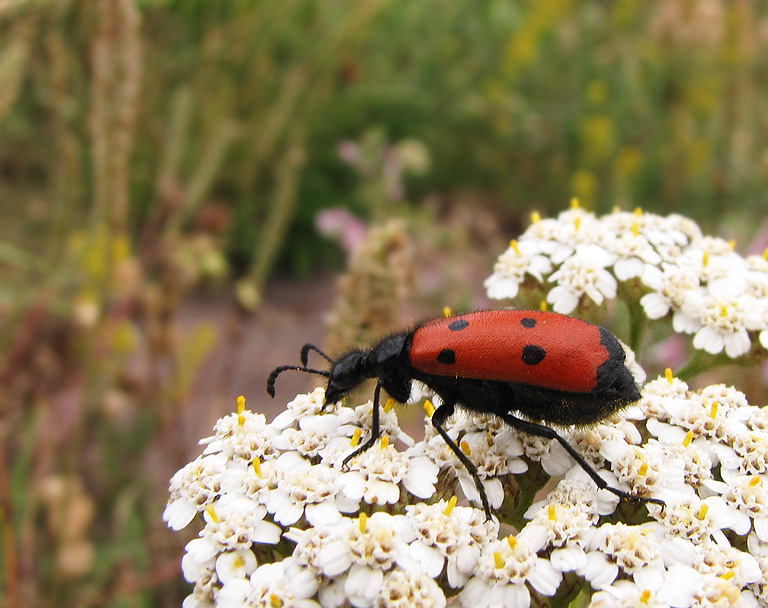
305, 354
279, 370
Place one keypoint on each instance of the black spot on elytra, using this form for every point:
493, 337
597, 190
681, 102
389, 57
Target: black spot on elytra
533, 354
447, 356
528, 322
458, 325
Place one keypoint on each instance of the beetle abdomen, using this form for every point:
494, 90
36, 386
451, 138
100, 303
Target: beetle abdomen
522, 346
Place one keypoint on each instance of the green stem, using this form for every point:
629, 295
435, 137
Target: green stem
637, 326
528, 485
702, 361
571, 587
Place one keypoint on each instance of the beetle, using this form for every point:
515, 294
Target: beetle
529, 368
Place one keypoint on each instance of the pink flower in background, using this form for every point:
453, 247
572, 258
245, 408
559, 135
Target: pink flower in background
339, 223
349, 152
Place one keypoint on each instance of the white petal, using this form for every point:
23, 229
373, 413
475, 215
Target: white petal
304, 581
613, 449
193, 570
598, 570
475, 594
351, 484
709, 339
516, 596
719, 487
500, 288
179, 513
363, 584
679, 586
332, 595
501, 595
429, 558
628, 269
737, 343
284, 419
654, 305
468, 486
534, 536
747, 599
761, 528
462, 564
653, 277
764, 338
677, 551
741, 522
667, 433
568, 558
381, 492
558, 252
322, 513
421, 477
202, 549
516, 466
749, 568
595, 294
234, 593
545, 578
291, 461
267, 533
563, 300
334, 558
556, 462
685, 324
347, 505
494, 490
286, 512
727, 456
597, 255
607, 285
235, 564
650, 577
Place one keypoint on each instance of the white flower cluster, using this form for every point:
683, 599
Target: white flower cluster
708, 289
285, 525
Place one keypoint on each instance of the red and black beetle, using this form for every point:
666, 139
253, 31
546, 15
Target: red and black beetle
546, 366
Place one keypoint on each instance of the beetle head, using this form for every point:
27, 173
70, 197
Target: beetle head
346, 374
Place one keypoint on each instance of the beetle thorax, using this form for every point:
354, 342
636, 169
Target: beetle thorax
384, 357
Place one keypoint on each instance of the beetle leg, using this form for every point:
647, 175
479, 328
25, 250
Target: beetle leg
540, 430
441, 414
375, 429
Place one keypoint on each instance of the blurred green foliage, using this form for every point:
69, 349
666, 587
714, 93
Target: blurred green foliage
654, 104
149, 147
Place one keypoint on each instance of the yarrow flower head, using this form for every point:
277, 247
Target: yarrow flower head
579, 260
284, 519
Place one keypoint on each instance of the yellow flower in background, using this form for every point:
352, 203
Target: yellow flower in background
544, 17
125, 337
703, 97
697, 155
598, 137
628, 163
597, 92
584, 186
97, 251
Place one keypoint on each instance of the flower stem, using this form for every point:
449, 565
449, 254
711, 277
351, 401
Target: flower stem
702, 361
637, 326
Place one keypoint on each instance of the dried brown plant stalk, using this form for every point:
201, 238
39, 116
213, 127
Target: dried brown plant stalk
374, 290
116, 72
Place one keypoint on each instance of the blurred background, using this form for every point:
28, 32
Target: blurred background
190, 190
